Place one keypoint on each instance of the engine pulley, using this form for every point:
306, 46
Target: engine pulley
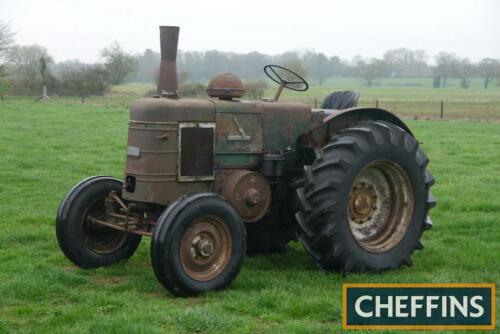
248, 192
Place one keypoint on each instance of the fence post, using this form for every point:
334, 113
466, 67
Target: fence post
315, 103
376, 103
442, 109
44, 94
83, 99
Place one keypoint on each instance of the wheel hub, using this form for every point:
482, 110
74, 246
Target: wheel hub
205, 248
362, 202
380, 206
202, 246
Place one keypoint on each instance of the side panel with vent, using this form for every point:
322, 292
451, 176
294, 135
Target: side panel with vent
196, 151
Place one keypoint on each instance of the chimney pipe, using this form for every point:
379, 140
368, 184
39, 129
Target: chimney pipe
167, 83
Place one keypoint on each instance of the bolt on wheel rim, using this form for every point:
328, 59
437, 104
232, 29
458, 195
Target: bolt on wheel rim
205, 248
380, 206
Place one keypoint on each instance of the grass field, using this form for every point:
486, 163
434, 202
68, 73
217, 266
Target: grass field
409, 98
412, 98
46, 149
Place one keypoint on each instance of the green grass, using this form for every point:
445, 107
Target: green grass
46, 149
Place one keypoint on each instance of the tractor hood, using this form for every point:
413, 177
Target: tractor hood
172, 110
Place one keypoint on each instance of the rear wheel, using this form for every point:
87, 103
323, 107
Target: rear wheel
198, 245
85, 243
365, 199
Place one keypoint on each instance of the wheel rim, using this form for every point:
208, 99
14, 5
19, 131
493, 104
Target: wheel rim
98, 238
380, 206
205, 248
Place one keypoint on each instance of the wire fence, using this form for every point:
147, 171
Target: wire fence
487, 110
429, 109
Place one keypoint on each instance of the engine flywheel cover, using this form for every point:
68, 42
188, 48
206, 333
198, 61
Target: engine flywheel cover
248, 192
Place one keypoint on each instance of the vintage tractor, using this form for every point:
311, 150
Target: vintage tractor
210, 179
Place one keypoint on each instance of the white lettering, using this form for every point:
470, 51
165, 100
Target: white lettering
357, 307
479, 308
414, 305
409, 306
400, 306
379, 305
430, 305
455, 304
444, 306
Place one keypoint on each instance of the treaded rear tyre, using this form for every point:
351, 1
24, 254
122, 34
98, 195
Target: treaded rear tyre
325, 219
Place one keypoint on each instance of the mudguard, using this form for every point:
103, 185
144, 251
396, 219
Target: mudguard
336, 120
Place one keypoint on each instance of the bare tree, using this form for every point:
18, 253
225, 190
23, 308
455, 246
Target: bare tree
371, 70
6, 38
293, 61
465, 71
488, 68
318, 66
447, 65
83, 80
148, 66
405, 62
118, 63
255, 89
25, 68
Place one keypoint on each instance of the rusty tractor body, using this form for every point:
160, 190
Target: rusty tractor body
210, 179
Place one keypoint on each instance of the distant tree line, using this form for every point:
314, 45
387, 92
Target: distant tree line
24, 69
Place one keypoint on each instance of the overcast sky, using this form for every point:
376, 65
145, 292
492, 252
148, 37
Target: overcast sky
78, 29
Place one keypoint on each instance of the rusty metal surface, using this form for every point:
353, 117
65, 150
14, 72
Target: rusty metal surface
153, 135
205, 248
247, 129
248, 192
239, 135
172, 110
112, 214
380, 206
120, 227
167, 83
225, 86
283, 122
244, 131
362, 202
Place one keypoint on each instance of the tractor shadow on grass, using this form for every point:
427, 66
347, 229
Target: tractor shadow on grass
294, 258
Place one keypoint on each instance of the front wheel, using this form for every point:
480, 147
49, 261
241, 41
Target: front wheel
365, 199
198, 245
86, 244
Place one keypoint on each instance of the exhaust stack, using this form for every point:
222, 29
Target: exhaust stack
167, 83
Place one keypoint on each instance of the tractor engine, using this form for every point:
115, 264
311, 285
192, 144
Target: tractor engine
236, 148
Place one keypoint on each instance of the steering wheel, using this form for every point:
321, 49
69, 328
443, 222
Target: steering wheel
286, 78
